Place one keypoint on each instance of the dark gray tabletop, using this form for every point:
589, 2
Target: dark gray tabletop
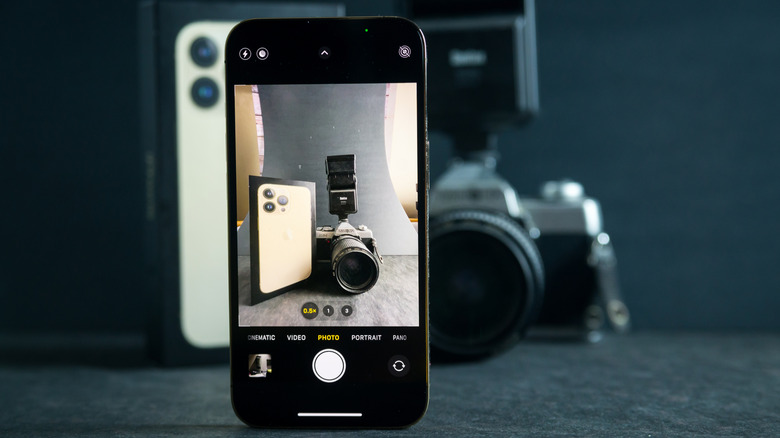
642, 385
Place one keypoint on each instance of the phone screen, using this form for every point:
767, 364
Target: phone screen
327, 179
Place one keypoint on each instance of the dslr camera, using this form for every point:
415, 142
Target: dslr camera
500, 263
351, 251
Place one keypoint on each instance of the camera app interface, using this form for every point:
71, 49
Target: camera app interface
326, 184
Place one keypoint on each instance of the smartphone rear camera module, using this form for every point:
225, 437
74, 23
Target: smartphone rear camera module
269, 207
203, 52
205, 92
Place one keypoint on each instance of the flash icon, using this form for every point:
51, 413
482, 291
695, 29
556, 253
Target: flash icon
245, 54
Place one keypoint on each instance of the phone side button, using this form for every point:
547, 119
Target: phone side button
329, 365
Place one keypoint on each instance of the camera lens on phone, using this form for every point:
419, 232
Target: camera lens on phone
205, 92
268, 193
355, 267
269, 207
203, 52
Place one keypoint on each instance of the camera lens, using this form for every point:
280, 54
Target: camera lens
268, 193
205, 92
269, 207
486, 283
355, 267
203, 52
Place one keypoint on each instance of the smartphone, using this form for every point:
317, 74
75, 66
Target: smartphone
335, 105
282, 234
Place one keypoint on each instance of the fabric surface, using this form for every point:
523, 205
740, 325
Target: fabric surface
644, 385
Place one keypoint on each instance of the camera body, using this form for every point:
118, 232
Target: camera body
327, 234
338, 245
500, 263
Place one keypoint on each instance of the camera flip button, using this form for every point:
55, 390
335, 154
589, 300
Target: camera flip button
398, 365
329, 365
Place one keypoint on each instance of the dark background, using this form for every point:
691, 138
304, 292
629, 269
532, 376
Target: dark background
664, 110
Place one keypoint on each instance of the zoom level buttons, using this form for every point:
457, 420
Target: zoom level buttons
325, 311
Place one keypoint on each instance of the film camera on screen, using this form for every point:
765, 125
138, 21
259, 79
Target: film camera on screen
351, 251
500, 263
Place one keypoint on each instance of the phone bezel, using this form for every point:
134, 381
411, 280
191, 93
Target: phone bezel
361, 52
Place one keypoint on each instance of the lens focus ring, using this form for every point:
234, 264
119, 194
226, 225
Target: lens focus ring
486, 282
355, 267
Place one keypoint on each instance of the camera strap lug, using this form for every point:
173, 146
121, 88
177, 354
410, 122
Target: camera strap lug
376, 251
602, 259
